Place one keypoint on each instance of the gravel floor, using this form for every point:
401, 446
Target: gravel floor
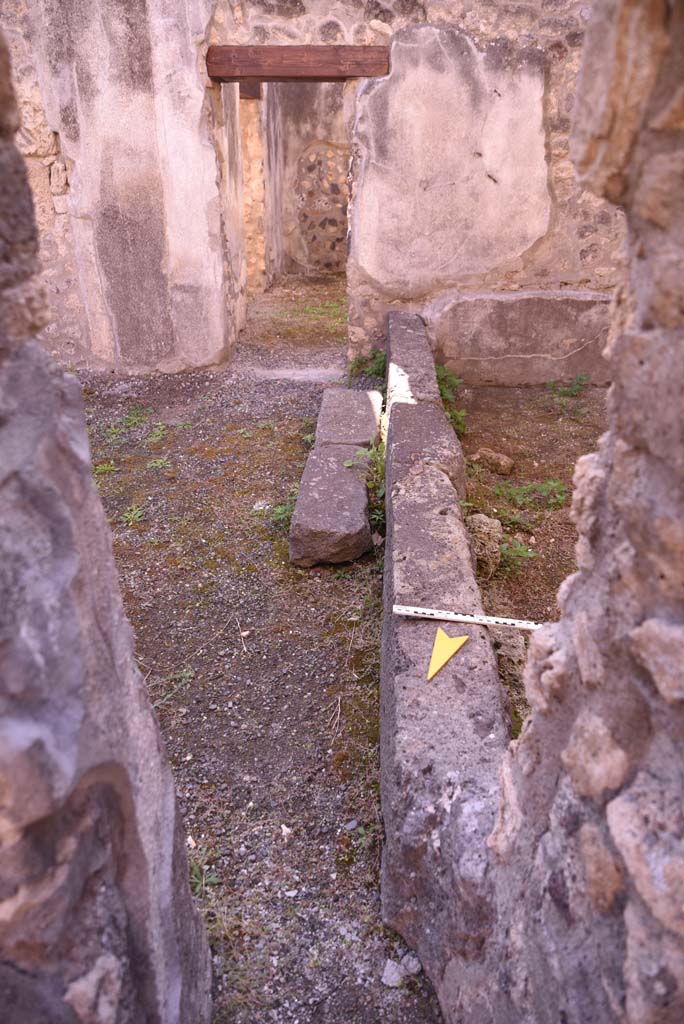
265, 678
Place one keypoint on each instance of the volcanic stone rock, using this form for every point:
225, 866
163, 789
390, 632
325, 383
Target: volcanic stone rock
98, 925
497, 462
442, 742
349, 417
330, 520
486, 535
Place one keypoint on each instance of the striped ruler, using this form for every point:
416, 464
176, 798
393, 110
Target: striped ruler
409, 612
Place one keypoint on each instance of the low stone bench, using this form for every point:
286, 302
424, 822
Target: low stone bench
330, 520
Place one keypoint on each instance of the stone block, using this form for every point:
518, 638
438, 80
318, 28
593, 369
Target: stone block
442, 742
330, 520
424, 436
523, 337
411, 374
349, 417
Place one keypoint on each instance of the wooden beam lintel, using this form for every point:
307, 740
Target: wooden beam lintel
296, 63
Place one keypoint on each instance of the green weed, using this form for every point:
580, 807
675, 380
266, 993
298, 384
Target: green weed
334, 311
202, 876
159, 464
374, 459
163, 690
571, 390
448, 384
551, 493
157, 433
281, 515
565, 397
373, 365
133, 514
513, 554
132, 419
104, 468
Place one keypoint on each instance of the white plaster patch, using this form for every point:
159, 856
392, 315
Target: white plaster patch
452, 173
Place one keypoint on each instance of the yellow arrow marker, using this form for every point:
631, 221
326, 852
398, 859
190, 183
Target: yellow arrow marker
444, 649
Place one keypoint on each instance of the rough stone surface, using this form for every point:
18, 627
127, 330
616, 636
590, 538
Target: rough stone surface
411, 370
588, 855
497, 462
441, 743
330, 520
525, 337
427, 213
426, 436
349, 417
486, 535
580, 915
98, 925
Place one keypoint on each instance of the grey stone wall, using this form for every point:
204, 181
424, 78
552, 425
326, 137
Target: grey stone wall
577, 915
98, 925
589, 847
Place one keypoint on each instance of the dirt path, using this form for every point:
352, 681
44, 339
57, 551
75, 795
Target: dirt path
265, 678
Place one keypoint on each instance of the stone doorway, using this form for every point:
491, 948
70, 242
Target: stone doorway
296, 154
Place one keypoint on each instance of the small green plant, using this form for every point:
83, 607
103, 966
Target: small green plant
281, 515
202, 876
159, 464
105, 468
457, 419
373, 365
163, 690
565, 397
513, 521
132, 419
157, 433
448, 384
514, 553
374, 459
334, 311
572, 390
243, 432
133, 514
551, 493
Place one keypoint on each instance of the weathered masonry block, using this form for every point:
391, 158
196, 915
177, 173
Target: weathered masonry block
525, 337
98, 925
330, 520
442, 741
